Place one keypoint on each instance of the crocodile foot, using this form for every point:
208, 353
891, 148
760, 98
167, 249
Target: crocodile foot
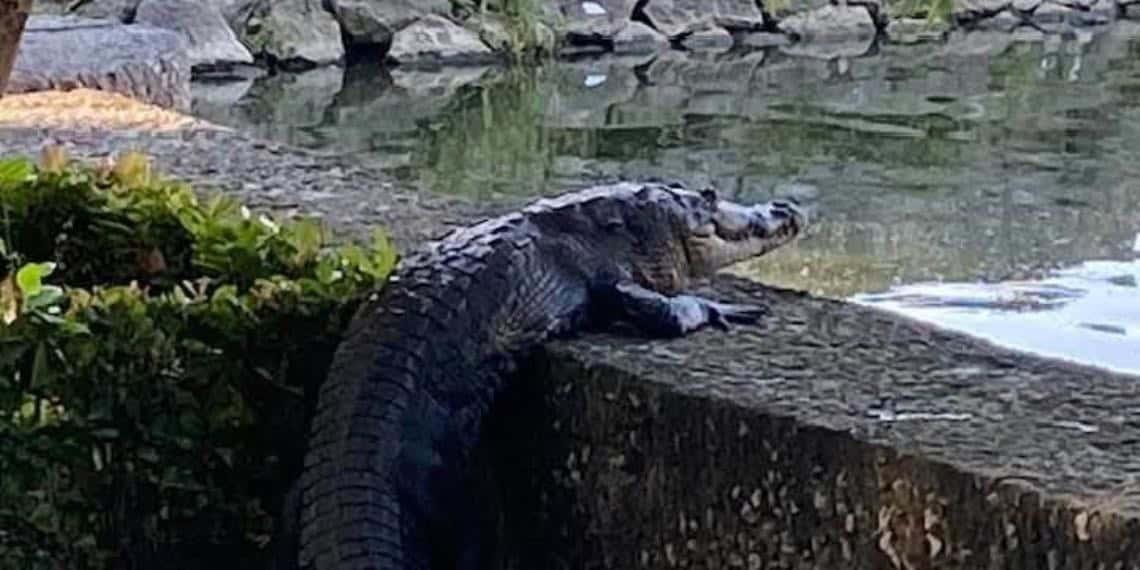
663, 316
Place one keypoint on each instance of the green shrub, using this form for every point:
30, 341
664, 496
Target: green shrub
155, 356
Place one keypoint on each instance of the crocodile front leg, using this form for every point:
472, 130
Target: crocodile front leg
662, 316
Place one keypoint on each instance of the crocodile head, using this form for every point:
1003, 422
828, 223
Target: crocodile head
717, 233
707, 234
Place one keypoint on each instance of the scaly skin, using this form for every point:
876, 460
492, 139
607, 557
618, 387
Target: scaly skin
386, 481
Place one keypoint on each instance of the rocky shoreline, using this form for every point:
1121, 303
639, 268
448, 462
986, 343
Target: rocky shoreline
240, 36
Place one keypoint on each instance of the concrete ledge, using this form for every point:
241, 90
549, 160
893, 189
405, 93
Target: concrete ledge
763, 448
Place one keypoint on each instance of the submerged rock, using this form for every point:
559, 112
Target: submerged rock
714, 39
916, 30
139, 61
639, 38
437, 40
209, 37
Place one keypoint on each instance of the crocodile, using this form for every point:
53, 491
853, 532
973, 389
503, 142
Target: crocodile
387, 480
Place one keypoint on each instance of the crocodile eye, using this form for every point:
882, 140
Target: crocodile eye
709, 196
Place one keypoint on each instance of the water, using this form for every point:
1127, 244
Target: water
990, 184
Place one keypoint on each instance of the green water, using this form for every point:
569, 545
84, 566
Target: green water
988, 158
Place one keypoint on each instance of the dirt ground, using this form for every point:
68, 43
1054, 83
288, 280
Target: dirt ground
88, 108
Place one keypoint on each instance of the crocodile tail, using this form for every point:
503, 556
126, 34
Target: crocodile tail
351, 515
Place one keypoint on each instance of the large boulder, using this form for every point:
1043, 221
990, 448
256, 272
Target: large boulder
139, 61
212, 42
435, 40
374, 22
291, 34
589, 20
676, 18
831, 24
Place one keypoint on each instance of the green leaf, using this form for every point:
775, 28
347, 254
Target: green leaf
30, 277
15, 171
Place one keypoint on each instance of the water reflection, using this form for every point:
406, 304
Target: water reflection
988, 158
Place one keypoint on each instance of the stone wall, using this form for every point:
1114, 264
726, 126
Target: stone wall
832, 436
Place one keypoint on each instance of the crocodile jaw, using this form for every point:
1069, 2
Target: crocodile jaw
744, 232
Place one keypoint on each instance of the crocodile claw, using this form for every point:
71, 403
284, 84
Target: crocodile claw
722, 314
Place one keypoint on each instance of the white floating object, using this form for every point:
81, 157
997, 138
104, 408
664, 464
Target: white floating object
593, 9
595, 80
1136, 244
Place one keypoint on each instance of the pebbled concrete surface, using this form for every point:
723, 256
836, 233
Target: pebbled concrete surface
767, 448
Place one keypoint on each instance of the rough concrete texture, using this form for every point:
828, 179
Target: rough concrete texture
770, 447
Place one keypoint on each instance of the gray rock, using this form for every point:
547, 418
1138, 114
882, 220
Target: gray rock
973, 10
761, 40
121, 10
830, 23
1076, 13
139, 61
492, 30
712, 39
212, 42
637, 37
50, 7
1025, 7
916, 31
589, 20
369, 22
830, 48
437, 40
1005, 22
676, 18
294, 34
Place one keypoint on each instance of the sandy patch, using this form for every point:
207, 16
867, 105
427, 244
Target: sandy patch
88, 108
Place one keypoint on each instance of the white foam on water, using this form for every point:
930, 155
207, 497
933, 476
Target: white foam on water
1089, 313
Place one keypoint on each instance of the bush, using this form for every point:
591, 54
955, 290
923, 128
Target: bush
155, 356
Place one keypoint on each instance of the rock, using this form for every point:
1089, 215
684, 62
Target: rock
876, 8
637, 37
139, 61
830, 23
121, 10
761, 40
967, 11
1025, 7
372, 22
585, 21
291, 34
436, 40
212, 42
916, 30
1076, 13
712, 39
492, 30
676, 18
831, 48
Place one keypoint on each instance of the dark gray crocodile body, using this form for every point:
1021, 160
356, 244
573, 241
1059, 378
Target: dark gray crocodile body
386, 481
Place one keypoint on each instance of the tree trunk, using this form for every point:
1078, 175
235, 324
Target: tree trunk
13, 15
